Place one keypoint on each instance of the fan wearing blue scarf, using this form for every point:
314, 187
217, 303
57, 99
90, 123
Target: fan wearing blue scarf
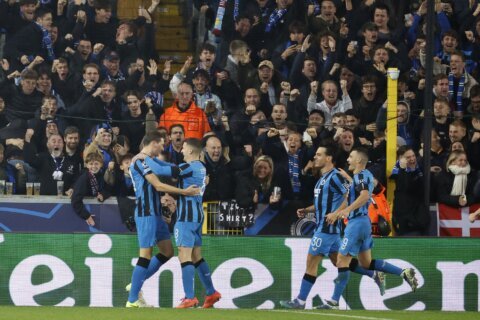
459, 82
43, 19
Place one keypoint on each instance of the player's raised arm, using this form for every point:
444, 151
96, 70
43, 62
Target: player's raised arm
162, 168
163, 187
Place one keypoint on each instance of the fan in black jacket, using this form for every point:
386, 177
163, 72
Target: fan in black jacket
52, 165
89, 184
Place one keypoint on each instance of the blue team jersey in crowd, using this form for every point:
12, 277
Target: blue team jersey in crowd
361, 181
189, 208
147, 198
329, 194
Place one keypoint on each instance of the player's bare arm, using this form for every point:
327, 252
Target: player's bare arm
302, 211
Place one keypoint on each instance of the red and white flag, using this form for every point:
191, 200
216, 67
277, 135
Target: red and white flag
453, 222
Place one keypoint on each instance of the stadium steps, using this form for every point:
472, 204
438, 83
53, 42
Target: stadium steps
171, 36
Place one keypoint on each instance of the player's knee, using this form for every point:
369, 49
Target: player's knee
143, 262
353, 264
199, 262
163, 258
309, 278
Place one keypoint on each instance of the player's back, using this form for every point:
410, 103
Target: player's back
146, 197
329, 195
189, 208
361, 181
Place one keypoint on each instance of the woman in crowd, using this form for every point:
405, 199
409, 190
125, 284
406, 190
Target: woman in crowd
259, 186
455, 185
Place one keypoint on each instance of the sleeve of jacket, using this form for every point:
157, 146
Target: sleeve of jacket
205, 125
79, 192
443, 192
30, 155
273, 148
381, 119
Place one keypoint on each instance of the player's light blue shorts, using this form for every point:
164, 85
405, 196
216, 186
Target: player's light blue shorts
324, 244
150, 230
358, 236
188, 234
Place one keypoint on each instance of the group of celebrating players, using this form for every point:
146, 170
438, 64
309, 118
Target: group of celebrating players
336, 196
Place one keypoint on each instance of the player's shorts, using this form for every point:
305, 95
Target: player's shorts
324, 244
150, 230
357, 237
188, 234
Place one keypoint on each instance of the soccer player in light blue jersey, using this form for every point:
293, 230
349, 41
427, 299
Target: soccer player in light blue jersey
330, 195
188, 228
151, 228
357, 240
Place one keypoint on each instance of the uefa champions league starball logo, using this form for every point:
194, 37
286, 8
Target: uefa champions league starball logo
304, 226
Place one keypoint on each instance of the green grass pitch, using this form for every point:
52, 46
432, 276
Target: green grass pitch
84, 313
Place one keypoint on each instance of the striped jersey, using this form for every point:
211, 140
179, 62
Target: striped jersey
189, 208
329, 194
147, 198
361, 181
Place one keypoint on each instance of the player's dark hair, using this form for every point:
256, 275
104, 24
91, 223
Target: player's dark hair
330, 150
195, 144
152, 136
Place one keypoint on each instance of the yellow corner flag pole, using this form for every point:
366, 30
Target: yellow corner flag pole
391, 134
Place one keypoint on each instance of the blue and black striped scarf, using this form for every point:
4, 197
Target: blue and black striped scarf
451, 90
47, 43
275, 17
294, 171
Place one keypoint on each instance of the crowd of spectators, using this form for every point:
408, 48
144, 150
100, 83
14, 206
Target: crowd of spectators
270, 82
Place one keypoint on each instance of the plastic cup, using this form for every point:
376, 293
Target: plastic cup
9, 188
60, 188
36, 188
29, 189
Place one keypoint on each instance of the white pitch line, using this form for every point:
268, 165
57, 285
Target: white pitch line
332, 315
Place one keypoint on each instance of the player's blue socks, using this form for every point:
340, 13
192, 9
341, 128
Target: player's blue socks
307, 283
355, 267
205, 277
340, 283
138, 277
155, 264
188, 277
382, 265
